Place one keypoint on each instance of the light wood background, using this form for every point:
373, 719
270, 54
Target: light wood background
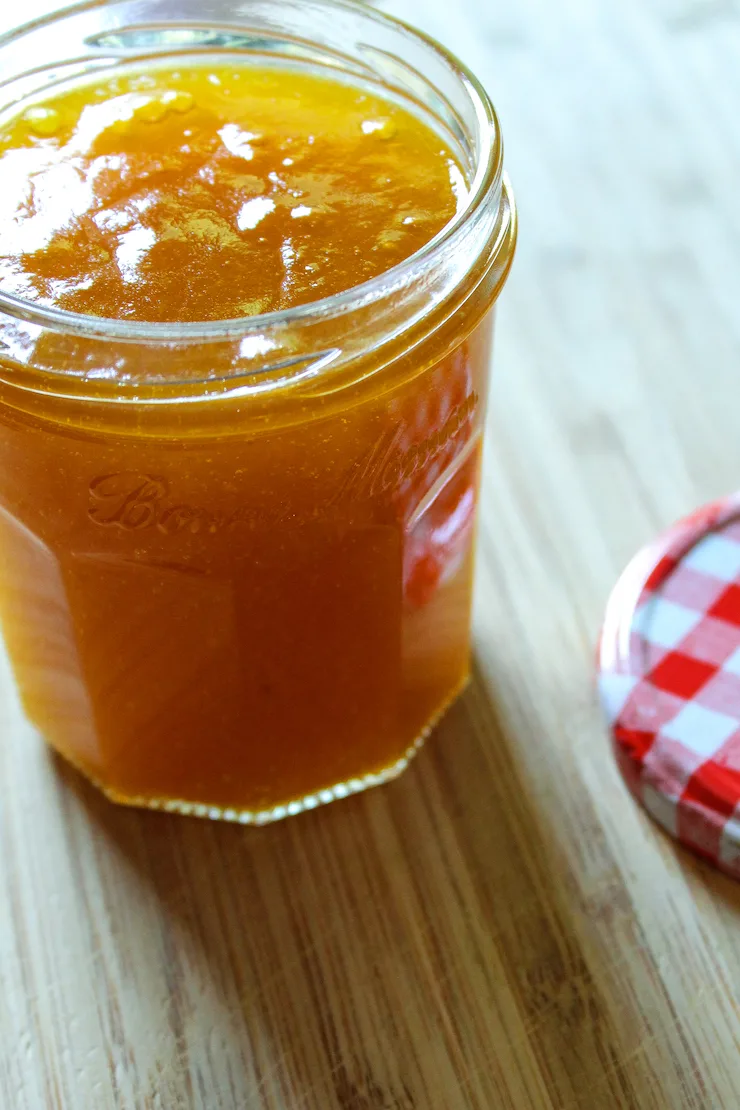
501, 928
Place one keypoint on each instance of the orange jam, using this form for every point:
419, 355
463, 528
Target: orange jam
247, 602
211, 192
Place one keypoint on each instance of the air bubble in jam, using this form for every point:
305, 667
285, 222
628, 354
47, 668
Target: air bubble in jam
178, 100
156, 108
43, 121
151, 111
380, 128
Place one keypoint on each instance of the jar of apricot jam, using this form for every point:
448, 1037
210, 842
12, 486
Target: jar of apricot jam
248, 265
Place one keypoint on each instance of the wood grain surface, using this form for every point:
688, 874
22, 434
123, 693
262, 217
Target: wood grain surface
502, 928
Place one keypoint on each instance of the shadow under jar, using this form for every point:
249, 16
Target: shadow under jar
236, 555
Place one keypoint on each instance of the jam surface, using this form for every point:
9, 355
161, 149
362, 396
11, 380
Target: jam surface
213, 192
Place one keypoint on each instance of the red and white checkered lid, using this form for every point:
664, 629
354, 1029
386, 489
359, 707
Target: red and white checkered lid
669, 678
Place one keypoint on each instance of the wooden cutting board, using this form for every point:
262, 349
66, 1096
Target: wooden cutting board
500, 928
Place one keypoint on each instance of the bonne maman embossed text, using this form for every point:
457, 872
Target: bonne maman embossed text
135, 501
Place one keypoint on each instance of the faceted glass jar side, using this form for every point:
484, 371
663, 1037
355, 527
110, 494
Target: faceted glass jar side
236, 563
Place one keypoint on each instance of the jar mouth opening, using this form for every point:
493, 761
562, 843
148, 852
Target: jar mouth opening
484, 188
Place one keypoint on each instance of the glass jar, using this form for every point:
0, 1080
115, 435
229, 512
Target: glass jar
236, 557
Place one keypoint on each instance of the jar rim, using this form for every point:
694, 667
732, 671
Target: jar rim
486, 183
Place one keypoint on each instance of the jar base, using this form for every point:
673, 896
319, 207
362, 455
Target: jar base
278, 812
